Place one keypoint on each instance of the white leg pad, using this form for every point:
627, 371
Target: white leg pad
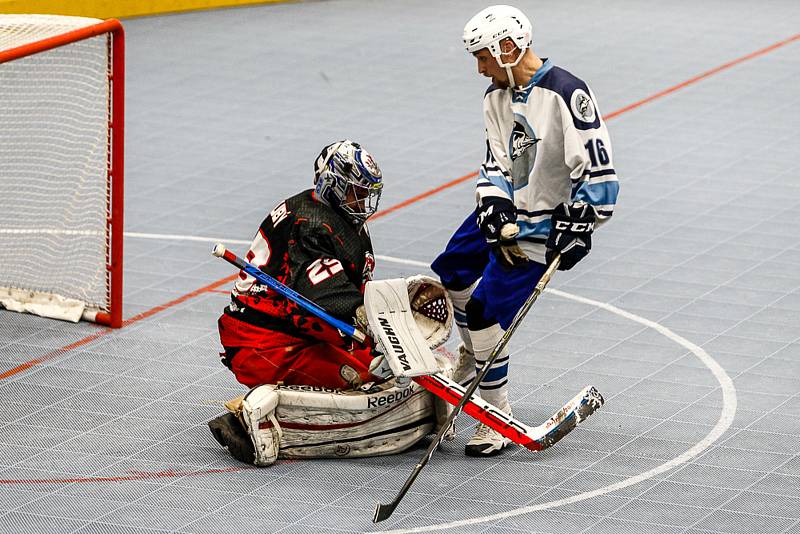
326, 423
312, 422
258, 416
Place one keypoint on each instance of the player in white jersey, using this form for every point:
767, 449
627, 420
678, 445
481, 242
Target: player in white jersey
546, 182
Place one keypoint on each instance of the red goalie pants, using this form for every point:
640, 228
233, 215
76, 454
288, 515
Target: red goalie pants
291, 360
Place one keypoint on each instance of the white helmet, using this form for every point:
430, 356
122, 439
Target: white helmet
348, 179
492, 25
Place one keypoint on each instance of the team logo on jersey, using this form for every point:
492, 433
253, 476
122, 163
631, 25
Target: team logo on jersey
582, 106
520, 141
522, 151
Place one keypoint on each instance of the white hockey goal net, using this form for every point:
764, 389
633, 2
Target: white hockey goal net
61, 166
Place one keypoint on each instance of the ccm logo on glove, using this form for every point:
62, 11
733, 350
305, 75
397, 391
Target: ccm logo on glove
574, 227
571, 234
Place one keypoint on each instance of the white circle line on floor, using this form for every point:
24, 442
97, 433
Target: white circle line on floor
725, 419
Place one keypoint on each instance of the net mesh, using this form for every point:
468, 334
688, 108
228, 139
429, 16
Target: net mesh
19, 30
54, 151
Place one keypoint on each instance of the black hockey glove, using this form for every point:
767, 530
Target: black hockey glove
571, 234
496, 220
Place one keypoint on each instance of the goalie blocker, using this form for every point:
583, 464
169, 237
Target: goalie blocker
412, 316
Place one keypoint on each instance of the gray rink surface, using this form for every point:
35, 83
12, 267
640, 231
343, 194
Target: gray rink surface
226, 111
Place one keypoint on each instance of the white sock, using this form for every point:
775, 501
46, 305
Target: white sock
460, 299
494, 386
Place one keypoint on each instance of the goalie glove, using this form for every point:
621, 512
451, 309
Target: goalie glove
379, 367
571, 233
496, 219
361, 322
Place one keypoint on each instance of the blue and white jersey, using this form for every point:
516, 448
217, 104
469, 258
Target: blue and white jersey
546, 144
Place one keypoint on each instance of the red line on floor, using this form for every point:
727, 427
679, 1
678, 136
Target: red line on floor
205, 289
167, 473
703, 76
100, 333
421, 196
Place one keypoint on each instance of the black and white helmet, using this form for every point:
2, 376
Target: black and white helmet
347, 178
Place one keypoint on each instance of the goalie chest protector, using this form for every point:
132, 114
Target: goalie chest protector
308, 246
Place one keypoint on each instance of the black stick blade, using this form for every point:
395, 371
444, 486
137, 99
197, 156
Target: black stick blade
383, 511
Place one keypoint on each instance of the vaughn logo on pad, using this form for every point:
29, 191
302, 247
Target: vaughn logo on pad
399, 353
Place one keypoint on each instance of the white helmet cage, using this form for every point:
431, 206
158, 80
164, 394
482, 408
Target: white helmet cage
347, 178
492, 25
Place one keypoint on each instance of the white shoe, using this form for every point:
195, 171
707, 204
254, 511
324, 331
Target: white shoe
486, 442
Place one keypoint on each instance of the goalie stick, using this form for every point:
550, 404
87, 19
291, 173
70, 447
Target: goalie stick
438, 384
541, 437
221, 252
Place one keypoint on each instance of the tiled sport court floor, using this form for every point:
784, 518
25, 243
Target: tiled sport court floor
685, 315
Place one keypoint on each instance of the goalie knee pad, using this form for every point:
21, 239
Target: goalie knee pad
258, 416
448, 363
314, 422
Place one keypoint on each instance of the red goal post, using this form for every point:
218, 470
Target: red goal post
61, 166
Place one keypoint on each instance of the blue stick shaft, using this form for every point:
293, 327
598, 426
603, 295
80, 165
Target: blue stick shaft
221, 252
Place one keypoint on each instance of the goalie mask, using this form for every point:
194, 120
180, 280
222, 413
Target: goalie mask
347, 178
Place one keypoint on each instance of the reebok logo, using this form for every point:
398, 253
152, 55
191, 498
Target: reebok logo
314, 389
375, 402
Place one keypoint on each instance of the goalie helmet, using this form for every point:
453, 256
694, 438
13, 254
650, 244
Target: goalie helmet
492, 25
347, 178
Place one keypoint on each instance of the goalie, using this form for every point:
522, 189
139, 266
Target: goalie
317, 243
313, 394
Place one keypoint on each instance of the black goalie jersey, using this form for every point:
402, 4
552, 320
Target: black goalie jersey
312, 249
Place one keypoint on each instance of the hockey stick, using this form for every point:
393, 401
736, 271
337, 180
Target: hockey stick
438, 384
560, 424
536, 438
221, 252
